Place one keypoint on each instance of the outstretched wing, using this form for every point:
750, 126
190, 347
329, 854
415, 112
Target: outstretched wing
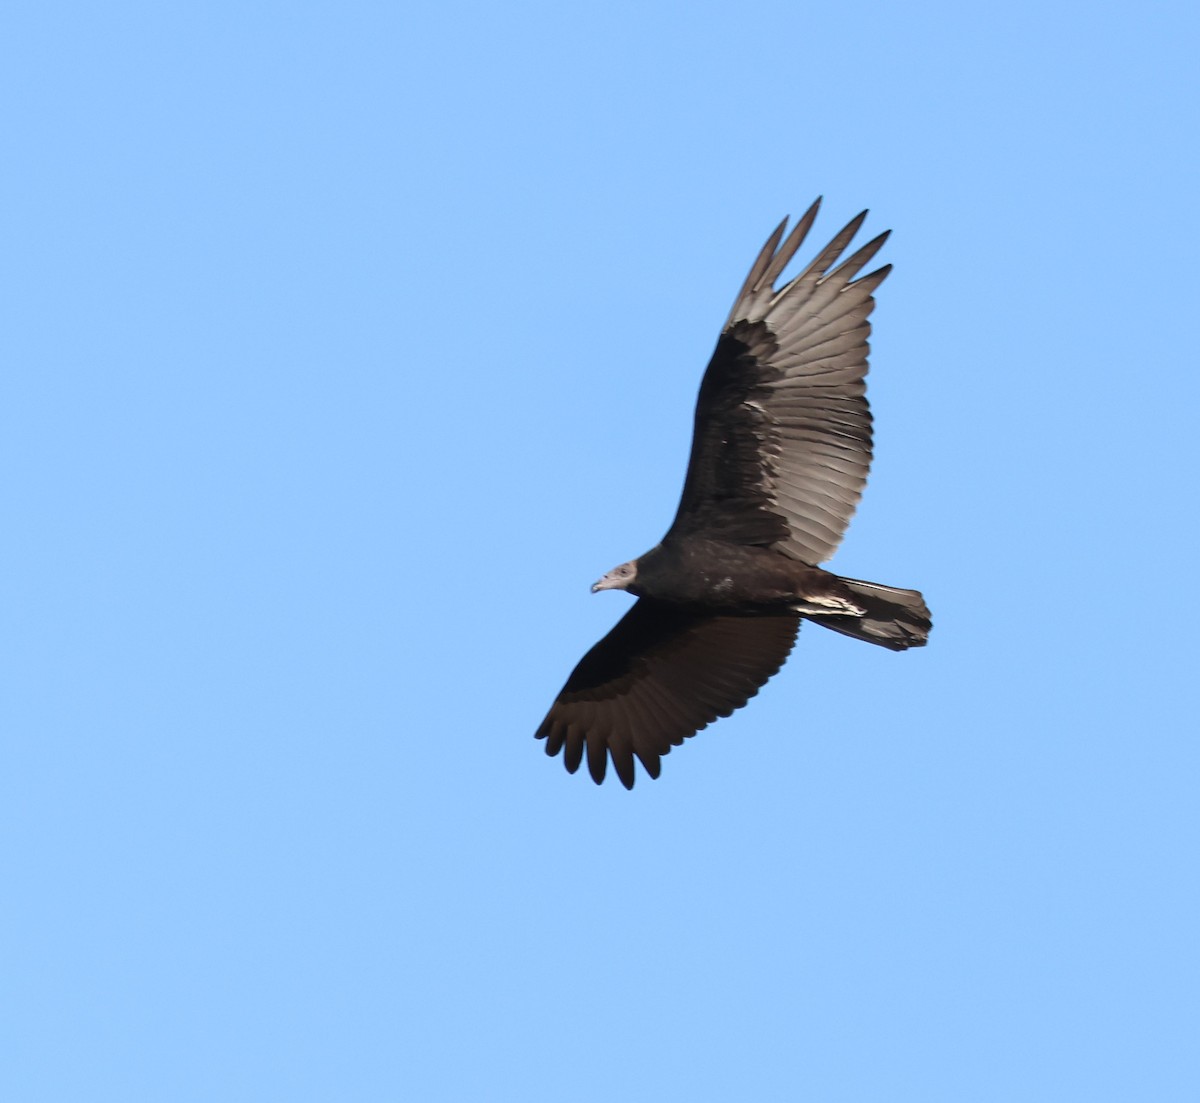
663, 673
782, 439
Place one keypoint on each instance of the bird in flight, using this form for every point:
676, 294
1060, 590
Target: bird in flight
780, 452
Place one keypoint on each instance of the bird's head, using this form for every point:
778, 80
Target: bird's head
619, 578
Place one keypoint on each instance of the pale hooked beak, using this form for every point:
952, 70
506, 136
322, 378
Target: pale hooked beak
617, 579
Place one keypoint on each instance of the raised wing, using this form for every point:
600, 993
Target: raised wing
782, 439
663, 673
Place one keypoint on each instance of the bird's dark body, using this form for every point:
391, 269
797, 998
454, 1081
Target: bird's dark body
730, 577
780, 452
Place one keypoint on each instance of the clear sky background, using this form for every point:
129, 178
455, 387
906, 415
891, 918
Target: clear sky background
346, 345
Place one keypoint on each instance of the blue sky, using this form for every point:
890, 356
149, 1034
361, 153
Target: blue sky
348, 344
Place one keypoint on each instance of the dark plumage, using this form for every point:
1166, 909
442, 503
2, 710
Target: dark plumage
780, 453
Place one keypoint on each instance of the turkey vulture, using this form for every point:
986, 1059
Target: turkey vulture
780, 452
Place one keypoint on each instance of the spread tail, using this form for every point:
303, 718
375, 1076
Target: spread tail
895, 619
